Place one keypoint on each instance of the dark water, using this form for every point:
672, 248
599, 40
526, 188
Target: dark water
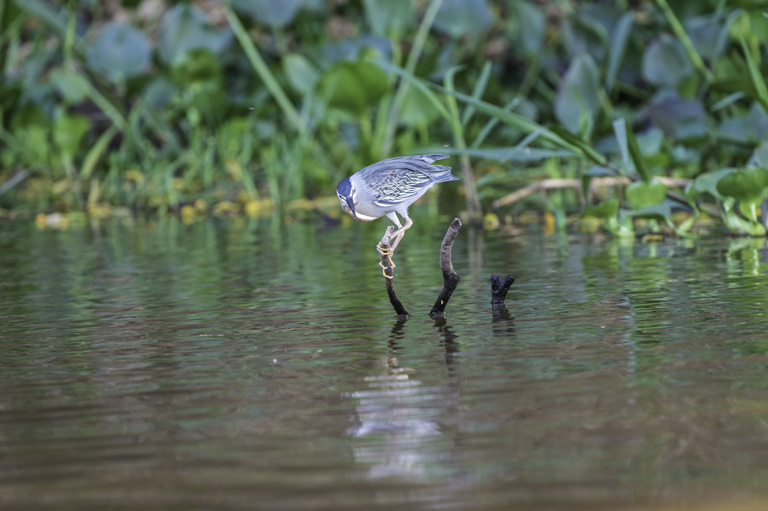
234, 364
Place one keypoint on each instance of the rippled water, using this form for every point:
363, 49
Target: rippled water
254, 365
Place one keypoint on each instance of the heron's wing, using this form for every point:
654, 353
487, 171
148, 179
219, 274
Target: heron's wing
398, 185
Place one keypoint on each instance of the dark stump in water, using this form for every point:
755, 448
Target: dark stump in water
451, 279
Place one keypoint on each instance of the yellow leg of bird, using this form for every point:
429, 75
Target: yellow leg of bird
388, 254
398, 234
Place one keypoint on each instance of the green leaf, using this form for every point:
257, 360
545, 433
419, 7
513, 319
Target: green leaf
661, 211
198, 66
620, 129
606, 209
96, 151
391, 17
504, 154
759, 157
707, 183
599, 171
642, 194
119, 52
261, 68
68, 132
748, 185
665, 62
630, 148
477, 92
685, 42
750, 127
528, 25
463, 17
735, 223
186, 27
70, 84
619, 39
577, 103
557, 135
43, 11
354, 86
417, 108
270, 12
300, 72
683, 119
756, 75
584, 147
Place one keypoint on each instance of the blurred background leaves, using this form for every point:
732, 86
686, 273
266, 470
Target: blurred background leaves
157, 104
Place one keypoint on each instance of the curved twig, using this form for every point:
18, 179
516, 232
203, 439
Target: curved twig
389, 272
451, 279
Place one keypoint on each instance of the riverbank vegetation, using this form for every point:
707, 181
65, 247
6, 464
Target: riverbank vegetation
614, 111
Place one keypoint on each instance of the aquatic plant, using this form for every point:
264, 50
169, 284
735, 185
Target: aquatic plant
656, 109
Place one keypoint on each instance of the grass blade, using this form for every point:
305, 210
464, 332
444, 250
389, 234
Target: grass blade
524, 124
262, 70
43, 12
757, 77
679, 31
473, 200
560, 138
478, 91
410, 66
628, 143
420, 84
92, 158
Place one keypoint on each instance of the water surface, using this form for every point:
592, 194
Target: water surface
234, 364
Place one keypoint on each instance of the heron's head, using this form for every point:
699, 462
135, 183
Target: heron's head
346, 196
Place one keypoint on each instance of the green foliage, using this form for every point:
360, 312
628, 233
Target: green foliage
643, 194
578, 104
747, 185
354, 86
119, 52
238, 101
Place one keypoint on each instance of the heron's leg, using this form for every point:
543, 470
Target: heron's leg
398, 234
392, 244
393, 237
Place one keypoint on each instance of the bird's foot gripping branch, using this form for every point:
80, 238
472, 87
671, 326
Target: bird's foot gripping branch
388, 268
499, 284
386, 251
451, 279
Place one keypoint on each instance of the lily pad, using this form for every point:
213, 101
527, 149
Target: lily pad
270, 12
389, 17
186, 27
300, 72
68, 132
748, 185
665, 62
354, 85
463, 17
577, 102
660, 211
606, 209
119, 52
643, 194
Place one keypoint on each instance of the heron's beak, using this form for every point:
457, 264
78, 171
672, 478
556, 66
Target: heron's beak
351, 206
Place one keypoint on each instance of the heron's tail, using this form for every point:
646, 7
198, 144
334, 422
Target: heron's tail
439, 173
431, 158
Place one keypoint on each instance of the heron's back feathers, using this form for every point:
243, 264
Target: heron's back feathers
398, 182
